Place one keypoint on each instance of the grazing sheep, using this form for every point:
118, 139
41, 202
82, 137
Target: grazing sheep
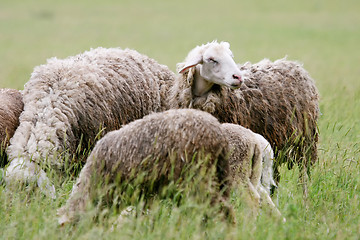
161, 143
11, 106
278, 100
249, 152
67, 102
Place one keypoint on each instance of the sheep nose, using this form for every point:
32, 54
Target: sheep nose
238, 81
238, 77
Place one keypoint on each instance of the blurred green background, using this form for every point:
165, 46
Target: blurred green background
322, 34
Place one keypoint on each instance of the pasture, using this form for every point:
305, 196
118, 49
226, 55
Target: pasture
324, 35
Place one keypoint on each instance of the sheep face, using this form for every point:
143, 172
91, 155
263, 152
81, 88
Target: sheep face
214, 64
219, 67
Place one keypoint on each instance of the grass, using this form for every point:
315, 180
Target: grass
324, 35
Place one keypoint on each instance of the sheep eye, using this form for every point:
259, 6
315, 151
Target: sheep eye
212, 60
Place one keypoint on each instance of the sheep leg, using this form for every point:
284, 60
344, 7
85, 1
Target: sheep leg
252, 197
26, 171
304, 180
267, 201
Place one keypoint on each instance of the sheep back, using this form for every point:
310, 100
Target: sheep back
160, 136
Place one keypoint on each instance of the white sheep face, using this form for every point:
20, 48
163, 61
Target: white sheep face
215, 63
219, 67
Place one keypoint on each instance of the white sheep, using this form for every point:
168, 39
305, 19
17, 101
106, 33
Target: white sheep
68, 102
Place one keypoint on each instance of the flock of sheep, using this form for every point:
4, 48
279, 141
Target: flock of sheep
234, 114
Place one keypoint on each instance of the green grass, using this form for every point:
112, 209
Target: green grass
323, 34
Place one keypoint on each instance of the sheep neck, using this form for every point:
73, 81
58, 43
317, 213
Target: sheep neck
200, 85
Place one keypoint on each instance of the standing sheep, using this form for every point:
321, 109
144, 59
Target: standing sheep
278, 100
67, 102
162, 145
11, 106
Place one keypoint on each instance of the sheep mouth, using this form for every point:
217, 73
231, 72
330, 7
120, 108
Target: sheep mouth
235, 85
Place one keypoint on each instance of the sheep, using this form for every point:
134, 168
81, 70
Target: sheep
67, 102
11, 105
278, 100
250, 152
168, 140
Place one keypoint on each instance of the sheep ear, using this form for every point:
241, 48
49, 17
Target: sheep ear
192, 61
187, 67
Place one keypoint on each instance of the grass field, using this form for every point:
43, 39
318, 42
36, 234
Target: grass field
323, 34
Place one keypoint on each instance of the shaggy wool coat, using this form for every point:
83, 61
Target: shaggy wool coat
70, 103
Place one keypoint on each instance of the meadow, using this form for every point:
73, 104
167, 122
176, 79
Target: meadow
322, 34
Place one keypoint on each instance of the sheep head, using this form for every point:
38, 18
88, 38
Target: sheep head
214, 64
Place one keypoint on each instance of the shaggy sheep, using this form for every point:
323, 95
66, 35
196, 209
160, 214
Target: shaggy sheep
168, 140
249, 152
11, 106
67, 102
278, 100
